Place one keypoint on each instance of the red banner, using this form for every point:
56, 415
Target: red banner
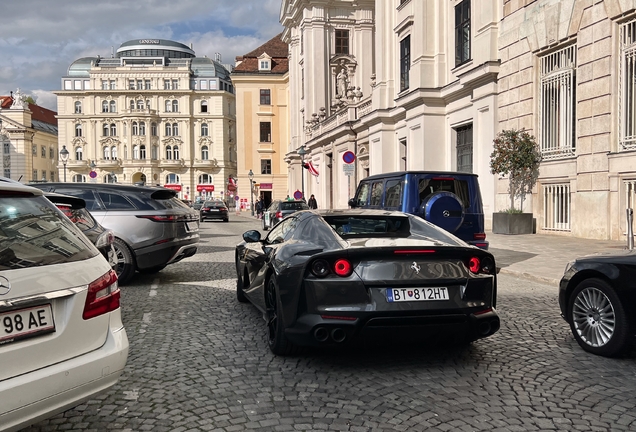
205, 188
174, 187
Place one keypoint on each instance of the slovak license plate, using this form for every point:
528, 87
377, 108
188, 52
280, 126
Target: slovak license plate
416, 294
192, 226
26, 323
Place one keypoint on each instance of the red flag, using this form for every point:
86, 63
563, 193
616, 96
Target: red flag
312, 169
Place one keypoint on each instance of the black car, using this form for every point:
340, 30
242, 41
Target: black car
332, 277
75, 209
279, 209
597, 297
213, 210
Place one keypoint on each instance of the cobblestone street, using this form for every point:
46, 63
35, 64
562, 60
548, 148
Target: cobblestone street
199, 361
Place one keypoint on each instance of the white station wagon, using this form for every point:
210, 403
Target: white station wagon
62, 340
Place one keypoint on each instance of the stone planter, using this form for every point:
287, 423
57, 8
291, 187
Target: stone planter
512, 223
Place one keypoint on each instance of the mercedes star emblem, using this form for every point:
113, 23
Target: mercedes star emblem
446, 213
5, 285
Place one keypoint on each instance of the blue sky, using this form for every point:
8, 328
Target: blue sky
41, 38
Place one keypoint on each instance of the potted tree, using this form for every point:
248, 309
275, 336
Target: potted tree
516, 155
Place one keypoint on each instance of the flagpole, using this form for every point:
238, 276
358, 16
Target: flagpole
302, 152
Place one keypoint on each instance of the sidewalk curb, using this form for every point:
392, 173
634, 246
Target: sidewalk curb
529, 276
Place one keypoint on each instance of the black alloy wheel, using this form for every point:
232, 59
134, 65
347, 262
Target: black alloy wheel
240, 284
597, 318
278, 343
125, 268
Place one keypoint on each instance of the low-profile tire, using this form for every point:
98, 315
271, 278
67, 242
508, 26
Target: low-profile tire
240, 294
125, 268
276, 339
152, 270
597, 318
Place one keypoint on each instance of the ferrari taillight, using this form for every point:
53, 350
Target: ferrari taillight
342, 267
473, 265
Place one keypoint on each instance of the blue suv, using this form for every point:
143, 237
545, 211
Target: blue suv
450, 200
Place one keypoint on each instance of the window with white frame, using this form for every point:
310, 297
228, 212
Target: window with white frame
205, 179
113, 152
105, 129
557, 103
205, 153
78, 107
175, 129
204, 129
628, 86
112, 106
43, 151
142, 151
79, 178
173, 179
169, 152
464, 145
106, 153
135, 152
113, 129
78, 130
78, 153
556, 207
105, 106
175, 152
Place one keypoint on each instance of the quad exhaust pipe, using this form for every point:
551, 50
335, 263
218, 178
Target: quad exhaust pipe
321, 334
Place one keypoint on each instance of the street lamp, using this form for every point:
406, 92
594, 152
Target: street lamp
250, 175
302, 152
64, 157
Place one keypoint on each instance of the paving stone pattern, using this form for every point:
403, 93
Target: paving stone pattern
199, 362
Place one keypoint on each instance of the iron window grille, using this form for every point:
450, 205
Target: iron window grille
556, 207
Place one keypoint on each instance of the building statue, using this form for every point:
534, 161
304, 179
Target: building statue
18, 100
342, 83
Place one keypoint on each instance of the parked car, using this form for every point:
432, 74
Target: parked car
152, 227
197, 205
214, 210
326, 277
62, 340
75, 209
597, 298
279, 209
450, 200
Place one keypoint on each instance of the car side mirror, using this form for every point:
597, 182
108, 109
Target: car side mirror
353, 203
252, 236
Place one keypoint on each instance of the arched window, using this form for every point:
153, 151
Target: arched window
79, 178
78, 107
113, 152
132, 104
205, 179
140, 104
142, 128
135, 152
106, 153
168, 152
153, 129
105, 130
113, 129
168, 129
175, 129
204, 153
153, 153
175, 152
204, 106
104, 106
113, 107
175, 106
142, 152
172, 179
204, 129
135, 128
168, 106
78, 153
78, 130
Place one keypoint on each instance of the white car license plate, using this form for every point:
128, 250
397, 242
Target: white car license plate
214, 210
416, 294
192, 226
25, 323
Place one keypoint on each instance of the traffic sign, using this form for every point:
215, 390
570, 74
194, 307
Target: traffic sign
349, 170
349, 157
298, 195
92, 174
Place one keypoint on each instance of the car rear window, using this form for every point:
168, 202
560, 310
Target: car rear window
429, 186
80, 217
113, 201
369, 226
33, 233
170, 203
293, 206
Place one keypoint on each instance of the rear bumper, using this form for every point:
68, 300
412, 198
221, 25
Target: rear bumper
166, 253
313, 330
214, 215
32, 397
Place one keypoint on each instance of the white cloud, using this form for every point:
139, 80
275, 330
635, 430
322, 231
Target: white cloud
43, 37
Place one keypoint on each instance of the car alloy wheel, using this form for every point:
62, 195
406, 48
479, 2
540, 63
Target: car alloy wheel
240, 294
597, 318
125, 262
278, 343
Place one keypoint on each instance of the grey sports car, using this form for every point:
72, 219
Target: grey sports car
333, 277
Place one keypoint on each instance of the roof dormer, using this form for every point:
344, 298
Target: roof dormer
264, 62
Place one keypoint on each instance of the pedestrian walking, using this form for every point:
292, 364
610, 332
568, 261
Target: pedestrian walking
259, 209
312, 202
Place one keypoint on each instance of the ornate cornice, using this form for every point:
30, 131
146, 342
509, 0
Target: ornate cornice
109, 141
205, 140
172, 141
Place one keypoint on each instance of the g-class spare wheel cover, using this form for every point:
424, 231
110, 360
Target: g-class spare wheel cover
445, 210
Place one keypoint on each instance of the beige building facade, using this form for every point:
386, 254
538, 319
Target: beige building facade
405, 85
152, 113
28, 137
567, 75
261, 82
